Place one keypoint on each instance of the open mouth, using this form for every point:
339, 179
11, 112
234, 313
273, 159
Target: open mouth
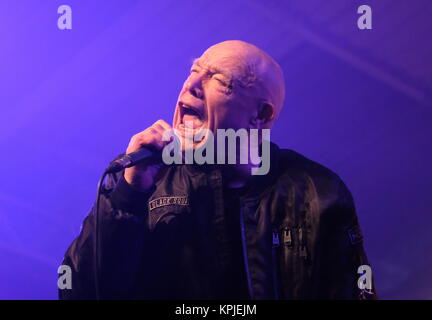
190, 116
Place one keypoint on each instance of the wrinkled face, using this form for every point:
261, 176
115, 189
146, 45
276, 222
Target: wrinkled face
217, 94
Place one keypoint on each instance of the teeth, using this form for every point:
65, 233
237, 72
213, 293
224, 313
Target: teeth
190, 110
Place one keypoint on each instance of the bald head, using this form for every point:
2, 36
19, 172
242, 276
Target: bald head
252, 69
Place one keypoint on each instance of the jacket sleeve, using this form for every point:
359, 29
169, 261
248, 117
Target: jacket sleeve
122, 234
342, 253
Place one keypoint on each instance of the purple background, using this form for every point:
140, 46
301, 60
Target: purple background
357, 101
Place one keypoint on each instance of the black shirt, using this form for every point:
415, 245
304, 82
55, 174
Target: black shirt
232, 275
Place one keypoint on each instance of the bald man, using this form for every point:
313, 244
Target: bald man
215, 230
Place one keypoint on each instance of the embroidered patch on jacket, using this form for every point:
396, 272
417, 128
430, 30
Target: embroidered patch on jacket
355, 234
168, 201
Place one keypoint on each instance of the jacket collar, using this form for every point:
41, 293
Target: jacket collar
256, 185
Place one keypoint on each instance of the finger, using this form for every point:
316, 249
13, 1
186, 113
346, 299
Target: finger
162, 127
164, 124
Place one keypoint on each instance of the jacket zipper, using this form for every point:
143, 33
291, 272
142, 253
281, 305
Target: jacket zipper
275, 260
245, 257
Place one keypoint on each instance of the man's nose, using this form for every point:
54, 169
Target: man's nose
194, 86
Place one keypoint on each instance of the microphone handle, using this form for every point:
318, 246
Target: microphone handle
132, 159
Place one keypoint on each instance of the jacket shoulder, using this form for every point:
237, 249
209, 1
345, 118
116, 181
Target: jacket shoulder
292, 161
302, 170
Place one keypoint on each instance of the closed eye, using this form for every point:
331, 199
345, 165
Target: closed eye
220, 80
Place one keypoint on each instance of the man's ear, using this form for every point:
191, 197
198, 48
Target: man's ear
265, 114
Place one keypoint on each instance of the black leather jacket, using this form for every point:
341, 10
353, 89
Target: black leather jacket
300, 236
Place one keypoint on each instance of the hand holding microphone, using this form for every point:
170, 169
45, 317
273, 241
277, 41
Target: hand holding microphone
142, 159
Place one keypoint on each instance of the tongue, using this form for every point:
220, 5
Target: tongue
192, 120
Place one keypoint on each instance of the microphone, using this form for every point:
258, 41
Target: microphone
132, 159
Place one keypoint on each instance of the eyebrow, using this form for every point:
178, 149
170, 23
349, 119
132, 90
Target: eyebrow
212, 69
